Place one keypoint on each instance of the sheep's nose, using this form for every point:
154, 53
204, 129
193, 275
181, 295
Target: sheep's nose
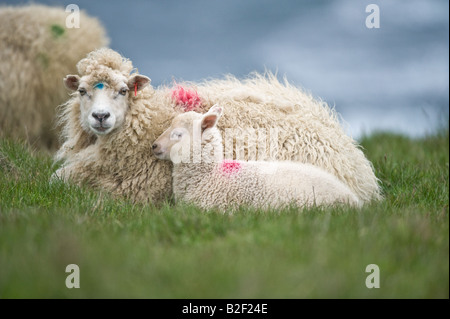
100, 116
155, 146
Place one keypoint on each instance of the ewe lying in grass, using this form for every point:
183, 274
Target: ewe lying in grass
200, 176
110, 123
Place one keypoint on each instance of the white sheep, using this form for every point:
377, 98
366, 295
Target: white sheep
107, 124
208, 181
107, 132
36, 51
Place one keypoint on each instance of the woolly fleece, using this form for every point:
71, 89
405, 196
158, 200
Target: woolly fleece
36, 52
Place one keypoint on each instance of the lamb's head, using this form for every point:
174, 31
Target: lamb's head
192, 137
104, 100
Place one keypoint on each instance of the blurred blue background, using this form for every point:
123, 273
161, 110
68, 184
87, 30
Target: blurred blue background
394, 78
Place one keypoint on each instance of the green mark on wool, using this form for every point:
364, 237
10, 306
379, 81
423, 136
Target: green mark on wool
43, 60
57, 30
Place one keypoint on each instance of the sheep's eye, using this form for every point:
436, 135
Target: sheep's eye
123, 91
176, 135
82, 91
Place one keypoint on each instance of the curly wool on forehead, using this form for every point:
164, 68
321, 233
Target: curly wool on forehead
105, 65
104, 58
111, 78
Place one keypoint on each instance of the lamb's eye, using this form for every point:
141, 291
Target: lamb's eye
82, 91
123, 91
176, 135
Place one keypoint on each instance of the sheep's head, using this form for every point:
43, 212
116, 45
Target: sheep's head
191, 134
104, 103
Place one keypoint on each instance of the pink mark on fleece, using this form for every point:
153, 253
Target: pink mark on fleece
187, 98
230, 167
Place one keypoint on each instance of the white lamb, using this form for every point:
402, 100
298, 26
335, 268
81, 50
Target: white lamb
201, 177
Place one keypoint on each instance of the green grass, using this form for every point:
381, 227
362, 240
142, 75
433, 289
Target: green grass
126, 250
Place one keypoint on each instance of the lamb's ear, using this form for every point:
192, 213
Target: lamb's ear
72, 82
141, 81
210, 119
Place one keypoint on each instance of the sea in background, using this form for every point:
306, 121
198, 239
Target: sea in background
393, 78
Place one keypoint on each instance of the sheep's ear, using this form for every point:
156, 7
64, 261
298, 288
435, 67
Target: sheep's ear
210, 119
216, 109
72, 82
141, 81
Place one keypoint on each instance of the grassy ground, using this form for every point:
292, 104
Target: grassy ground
126, 250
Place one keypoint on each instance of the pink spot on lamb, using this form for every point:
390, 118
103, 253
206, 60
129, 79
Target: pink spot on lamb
187, 98
230, 167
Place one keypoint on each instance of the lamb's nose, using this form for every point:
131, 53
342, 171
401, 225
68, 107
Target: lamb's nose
155, 146
100, 116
